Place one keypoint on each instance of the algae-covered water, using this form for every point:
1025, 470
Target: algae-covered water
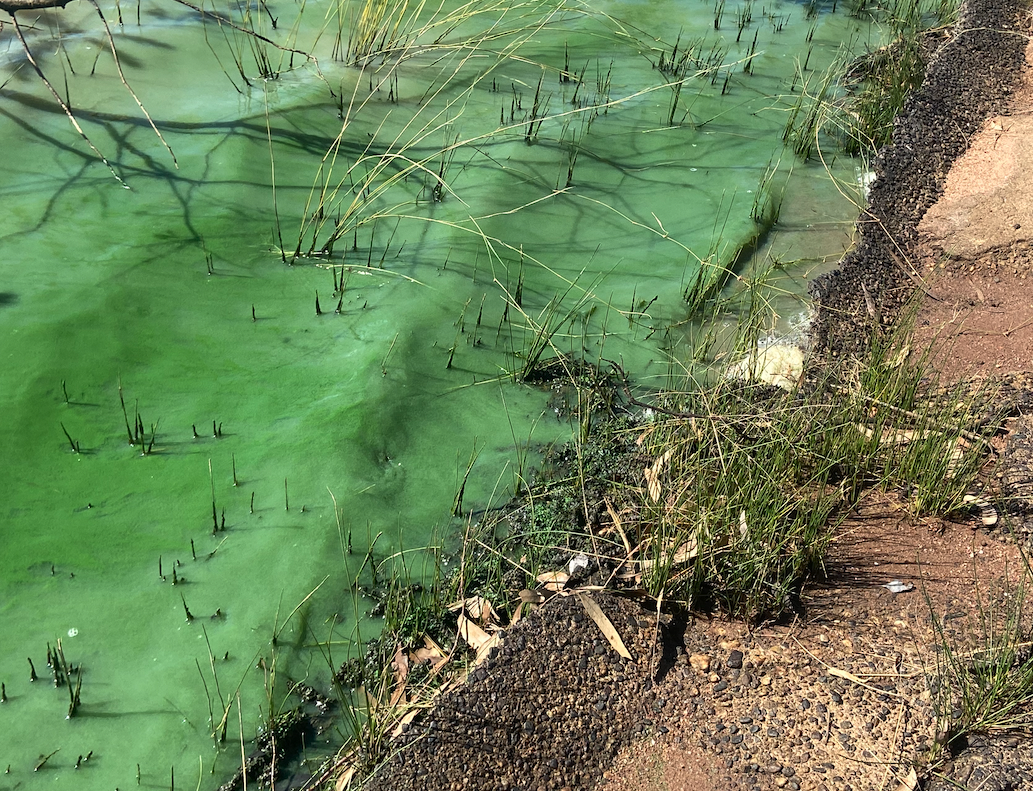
267, 439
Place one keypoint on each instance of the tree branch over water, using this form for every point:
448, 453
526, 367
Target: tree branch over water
11, 6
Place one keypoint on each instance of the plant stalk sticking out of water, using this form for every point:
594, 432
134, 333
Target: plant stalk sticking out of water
74, 445
457, 503
215, 510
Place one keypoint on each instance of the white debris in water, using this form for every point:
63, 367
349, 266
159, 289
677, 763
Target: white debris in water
73, 632
780, 365
865, 179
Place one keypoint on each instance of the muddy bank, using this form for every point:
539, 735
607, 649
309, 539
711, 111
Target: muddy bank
969, 79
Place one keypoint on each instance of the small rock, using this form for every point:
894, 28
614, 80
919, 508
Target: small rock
700, 662
735, 660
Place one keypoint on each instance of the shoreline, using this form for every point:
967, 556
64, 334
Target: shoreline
969, 79
551, 709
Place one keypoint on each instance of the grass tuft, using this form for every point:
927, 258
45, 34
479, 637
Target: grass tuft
982, 680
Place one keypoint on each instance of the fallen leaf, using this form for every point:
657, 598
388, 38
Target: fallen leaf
400, 662
686, 552
652, 474
409, 717
474, 635
605, 625
344, 780
909, 783
430, 653
531, 597
553, 580
485, 649
479, 608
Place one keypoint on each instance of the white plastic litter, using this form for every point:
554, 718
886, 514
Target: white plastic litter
577, 562
896, 586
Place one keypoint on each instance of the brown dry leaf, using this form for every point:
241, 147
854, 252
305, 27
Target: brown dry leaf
641, 437
652, 484
400, 662
409, 717
909, 783
485, 649
531, 597
652, 474
474, 635
518, 613
344, 780
431, 653
553, 580
605, 625
478, 607
686, 552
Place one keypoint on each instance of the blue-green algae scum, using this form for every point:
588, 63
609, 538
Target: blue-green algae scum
433, 201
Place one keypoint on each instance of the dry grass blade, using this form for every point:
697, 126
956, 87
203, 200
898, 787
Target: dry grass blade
605, 624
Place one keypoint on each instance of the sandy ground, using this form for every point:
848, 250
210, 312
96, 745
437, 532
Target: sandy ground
976, 249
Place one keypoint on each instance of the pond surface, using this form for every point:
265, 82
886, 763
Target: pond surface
269, 435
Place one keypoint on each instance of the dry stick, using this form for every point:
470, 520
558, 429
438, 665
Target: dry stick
272, 175
121, 76
60, 101
225, 21
969, 435
43, 761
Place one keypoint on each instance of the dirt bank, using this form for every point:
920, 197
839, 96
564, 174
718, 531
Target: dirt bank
970, 78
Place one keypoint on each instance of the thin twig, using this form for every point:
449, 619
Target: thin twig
121, 76
60, 101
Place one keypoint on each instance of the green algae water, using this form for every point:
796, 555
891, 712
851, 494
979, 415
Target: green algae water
233, 389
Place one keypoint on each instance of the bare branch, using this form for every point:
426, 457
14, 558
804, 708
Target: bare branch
60, 101
10, 6
224, 21
118, 65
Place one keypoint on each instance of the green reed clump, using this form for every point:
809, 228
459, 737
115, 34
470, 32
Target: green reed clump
726, 495
982, 679
888, 78
857, 102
